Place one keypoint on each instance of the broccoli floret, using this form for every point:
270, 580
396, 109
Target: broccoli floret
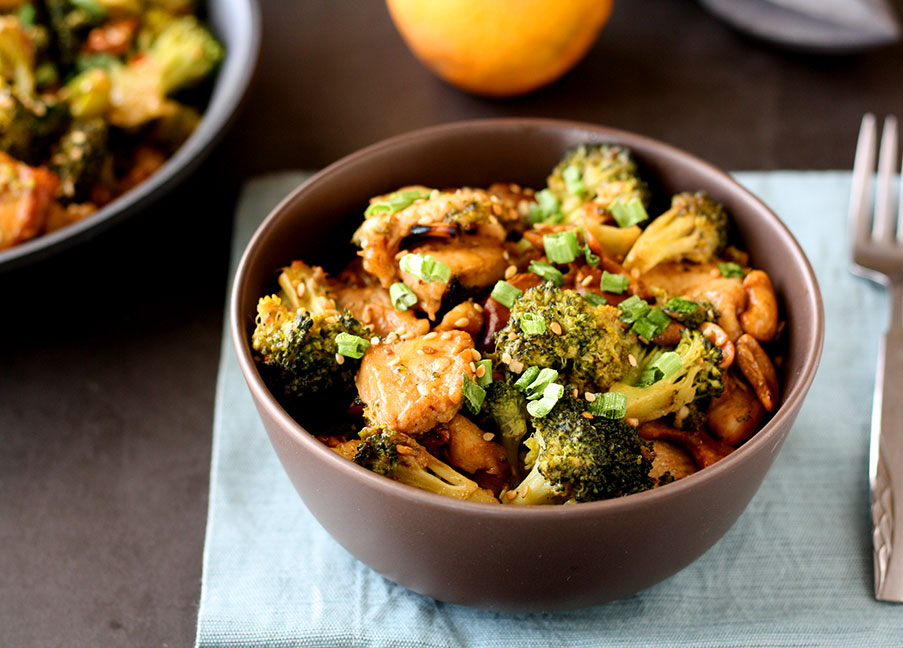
575, 458
689, 313
506, 407
17, 58
693, 229
398, 456
27, 131
88, 93
69, 22
697, 377
599, 173
294, 340
183, 54
80, 158
586, 343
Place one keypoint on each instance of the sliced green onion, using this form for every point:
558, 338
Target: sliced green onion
658, 317
542, 380
650, 376
546, 210
681, 305
425, 268
561, 247
591, 257
92, 8
486, 378
527, 378
662, 367
473, 394
27, 15
402, 297
396, 202
573, 180
730, 270
644, 328
611, 405
550, 395
547, 271
630, 213
505, 294
532, 324
594, 299
632, 309
351, 346
614, 283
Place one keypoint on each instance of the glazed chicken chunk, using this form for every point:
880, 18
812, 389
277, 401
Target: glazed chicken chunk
413, 385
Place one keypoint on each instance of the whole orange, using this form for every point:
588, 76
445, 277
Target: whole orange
499, 48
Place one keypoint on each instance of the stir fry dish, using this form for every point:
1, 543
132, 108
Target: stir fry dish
530, 347
95, 95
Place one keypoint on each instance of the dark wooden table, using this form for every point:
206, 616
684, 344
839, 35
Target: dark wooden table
109, 352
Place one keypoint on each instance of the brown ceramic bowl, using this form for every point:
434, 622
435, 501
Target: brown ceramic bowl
505, 557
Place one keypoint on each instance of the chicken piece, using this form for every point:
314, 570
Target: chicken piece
680, 278
670, 463
373, 306
466, 316
27, 195
472, 452
413, 385
475, 262
704, 449
380, 236
728, 298
342, 447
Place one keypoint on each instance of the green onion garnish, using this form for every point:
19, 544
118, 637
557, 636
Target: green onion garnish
486, 378
632, 309
611, 405
526, 378
425, 268
561, 247
573, 180
630, 213
473, 394
505, 294
644, 328
532, 324
92, 8
666, 364
547, 271
396, 202
351, 346
27, 14
614, 283
542, 380
402, 297
546, 210
550, 396
681, 305
591, 257
595, 300
658, 317
730, 270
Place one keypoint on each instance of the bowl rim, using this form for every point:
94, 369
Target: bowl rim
766, 436
228, 93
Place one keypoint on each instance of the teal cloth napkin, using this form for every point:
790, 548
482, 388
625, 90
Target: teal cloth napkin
795, 570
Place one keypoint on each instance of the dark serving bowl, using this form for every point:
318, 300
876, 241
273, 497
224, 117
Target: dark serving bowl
505, 557
237, 24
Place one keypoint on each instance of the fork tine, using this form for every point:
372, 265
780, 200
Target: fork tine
861, 190
900, 208
883, 226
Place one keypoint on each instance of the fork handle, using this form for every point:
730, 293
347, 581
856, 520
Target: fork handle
886, 457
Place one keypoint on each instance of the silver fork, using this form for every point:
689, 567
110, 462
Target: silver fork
876, 233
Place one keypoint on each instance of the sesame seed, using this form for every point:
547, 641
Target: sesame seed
516, 366
590, 397
394, 361
481, 371
635, 273
632, 360
478, 307
587, 415
374, 340
300, 289
632, 421
506, 357
514, 188
556, 328
475, 355
430, 335
405, 336
462, 322
339, 358
496, 209
575, 393
525, 490
510, 271
391, 337
506, 255
472, 366
488, 436
404, 450
587, 280
511, 495
423, 389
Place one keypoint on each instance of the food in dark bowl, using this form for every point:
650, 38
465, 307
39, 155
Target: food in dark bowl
607, 341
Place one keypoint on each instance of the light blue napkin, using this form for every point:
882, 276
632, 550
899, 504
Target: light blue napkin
795, 570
